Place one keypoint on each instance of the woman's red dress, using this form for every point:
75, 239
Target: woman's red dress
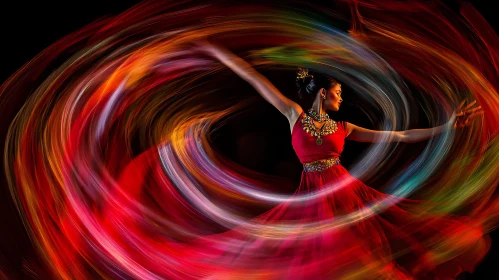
338, 235
394, 243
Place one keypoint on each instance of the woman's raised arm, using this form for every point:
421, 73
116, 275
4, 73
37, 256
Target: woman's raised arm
261, 84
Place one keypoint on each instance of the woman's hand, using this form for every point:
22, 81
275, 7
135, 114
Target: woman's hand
464, 115
202, 45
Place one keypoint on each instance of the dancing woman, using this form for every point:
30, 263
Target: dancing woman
395, 243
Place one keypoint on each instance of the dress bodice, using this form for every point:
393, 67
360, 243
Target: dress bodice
305, 145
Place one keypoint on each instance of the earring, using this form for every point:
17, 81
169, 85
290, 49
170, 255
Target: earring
323, 96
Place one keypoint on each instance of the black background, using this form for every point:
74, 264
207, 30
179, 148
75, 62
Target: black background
28, 28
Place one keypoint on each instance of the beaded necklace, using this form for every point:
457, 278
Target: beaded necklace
328, 127
318, 117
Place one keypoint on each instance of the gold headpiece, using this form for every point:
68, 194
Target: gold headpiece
303, 73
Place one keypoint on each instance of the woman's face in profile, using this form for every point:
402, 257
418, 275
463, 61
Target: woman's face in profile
333, 98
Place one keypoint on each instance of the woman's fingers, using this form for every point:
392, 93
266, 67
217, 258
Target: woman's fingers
468, 109
469, 105
476, 113
468, 119
459, 108
474, 109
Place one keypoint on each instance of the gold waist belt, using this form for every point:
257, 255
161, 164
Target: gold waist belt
320, 165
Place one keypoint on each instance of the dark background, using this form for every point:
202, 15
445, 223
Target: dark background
28, 28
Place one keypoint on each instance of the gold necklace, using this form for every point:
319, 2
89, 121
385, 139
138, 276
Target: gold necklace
328, 127
318, 117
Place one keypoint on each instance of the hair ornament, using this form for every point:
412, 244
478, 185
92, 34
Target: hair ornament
303, 73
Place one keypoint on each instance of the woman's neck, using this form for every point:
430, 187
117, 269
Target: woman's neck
317, 107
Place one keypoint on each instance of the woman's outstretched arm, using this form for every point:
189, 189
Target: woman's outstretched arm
360, 134
461, 119
261, 84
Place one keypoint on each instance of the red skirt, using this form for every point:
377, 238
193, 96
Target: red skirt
344, 233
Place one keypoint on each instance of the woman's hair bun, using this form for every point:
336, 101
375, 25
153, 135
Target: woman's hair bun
303, 81
308, 83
